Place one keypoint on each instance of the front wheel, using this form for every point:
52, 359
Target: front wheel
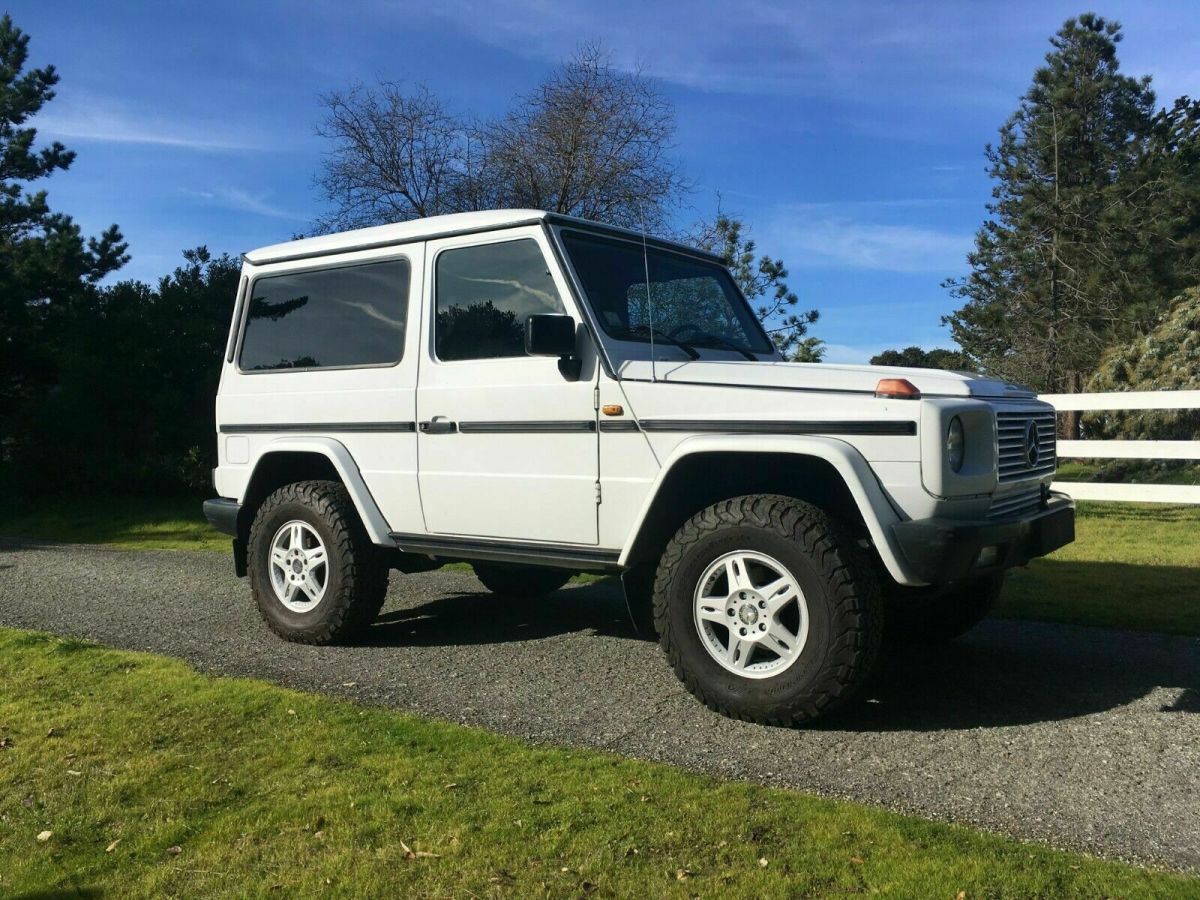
768, 610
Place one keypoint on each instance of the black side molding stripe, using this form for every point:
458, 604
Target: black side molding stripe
619, 425
567, 556
886, 428
317, 427
581, 425
890, 428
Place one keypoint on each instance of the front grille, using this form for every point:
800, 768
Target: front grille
1016, 503
1012, 429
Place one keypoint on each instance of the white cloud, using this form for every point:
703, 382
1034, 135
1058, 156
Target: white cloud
89, 118
811, 238
243, 201
768, 46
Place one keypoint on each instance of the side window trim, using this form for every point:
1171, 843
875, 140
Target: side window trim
327, 265
235, 327
433, 297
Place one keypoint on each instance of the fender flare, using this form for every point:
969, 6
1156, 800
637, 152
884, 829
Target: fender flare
873, 505
337, 454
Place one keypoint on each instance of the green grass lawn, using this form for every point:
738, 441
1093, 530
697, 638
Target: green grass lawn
130, 523
134, 776
1134, 566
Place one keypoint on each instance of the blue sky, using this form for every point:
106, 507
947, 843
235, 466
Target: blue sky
848, 134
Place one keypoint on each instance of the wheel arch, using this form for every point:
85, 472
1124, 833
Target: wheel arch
827, 472
287, 460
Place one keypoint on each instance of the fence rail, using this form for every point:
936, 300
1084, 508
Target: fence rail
1120, 401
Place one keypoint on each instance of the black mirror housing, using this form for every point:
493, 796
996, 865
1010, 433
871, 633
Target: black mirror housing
550, 334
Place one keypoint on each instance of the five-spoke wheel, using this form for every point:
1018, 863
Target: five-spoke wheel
299, 566
751, 614
767, 609
315, 574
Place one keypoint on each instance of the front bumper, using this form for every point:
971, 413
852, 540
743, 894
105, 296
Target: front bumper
943, 550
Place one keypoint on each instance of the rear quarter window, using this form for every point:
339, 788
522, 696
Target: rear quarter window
337, 317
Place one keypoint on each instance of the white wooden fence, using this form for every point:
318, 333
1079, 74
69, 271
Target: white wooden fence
1116, 449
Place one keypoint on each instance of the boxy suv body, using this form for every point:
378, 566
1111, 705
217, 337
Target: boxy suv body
540, 396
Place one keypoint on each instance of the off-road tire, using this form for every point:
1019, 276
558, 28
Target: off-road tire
520, 581
934, 616
357, 575
840, 589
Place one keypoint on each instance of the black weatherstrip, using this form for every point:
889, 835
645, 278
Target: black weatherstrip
780, 427
517, 427
318, 427
566, 556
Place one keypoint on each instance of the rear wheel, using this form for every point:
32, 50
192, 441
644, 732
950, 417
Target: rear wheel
520, 581
767, 610
930, 615
314, 573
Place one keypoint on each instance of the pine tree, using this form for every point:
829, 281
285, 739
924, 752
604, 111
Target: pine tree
1065, 264
763, 281
45, 261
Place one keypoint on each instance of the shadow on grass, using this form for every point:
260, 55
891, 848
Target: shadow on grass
1107, 594
1003, 673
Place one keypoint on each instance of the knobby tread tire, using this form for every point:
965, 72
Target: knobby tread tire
358, 577
852, 595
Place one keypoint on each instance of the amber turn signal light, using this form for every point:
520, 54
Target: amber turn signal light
897, 389
613, 409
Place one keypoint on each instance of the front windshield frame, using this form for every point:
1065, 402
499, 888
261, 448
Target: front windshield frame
620, 345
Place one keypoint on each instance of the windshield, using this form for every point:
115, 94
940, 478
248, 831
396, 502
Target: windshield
695, 303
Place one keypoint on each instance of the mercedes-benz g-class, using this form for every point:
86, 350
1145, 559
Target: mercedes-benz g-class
540, 396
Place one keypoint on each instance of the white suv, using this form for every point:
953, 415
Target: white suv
541, 395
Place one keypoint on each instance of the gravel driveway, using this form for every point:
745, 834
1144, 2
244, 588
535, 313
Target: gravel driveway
1077, 737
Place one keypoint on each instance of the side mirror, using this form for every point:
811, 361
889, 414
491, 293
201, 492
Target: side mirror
549, 334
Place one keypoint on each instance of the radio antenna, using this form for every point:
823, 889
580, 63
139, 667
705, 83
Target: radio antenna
649, 300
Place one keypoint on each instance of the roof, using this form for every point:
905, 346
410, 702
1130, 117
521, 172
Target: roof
428, 228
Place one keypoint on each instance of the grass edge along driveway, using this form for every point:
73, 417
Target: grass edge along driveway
132, 774
1132, 566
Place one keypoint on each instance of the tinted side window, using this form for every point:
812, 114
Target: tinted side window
484, 296
344, 316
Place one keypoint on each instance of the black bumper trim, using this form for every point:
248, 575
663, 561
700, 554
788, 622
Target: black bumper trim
222, 514
944, 550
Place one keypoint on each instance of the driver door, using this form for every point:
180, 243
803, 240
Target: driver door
507, 444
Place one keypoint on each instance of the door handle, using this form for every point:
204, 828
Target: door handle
439, 425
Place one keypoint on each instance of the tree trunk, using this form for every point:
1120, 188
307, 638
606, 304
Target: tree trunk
1070, 426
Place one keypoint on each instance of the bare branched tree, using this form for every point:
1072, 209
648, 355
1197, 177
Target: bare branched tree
591, 141
395, 156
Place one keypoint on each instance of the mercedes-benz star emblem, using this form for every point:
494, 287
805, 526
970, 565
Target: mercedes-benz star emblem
1032, 444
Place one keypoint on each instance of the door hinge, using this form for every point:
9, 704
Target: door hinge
597, 492
596, 397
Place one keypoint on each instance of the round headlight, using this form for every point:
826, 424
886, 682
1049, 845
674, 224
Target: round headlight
955, 444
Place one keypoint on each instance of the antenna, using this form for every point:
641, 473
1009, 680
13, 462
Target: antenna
649, 300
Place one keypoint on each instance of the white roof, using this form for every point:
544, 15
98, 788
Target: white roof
396, 233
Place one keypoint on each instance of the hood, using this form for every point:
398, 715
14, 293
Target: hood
820, 377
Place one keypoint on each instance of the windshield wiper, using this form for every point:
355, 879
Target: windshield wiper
726, 343
664, 337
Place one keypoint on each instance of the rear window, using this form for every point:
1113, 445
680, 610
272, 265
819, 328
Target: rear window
327, 318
